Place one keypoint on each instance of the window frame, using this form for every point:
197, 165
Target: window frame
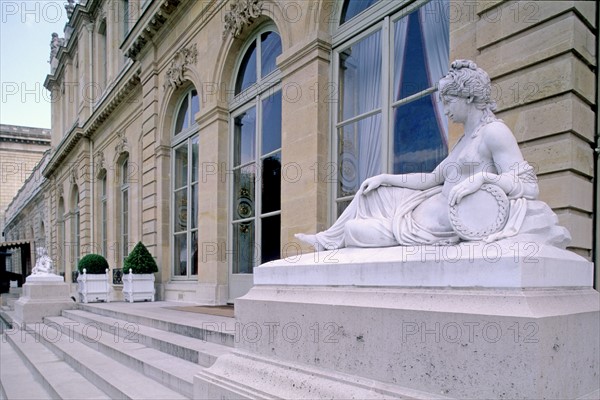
185, 137
103, 215
124, 199
252, 97
380, 16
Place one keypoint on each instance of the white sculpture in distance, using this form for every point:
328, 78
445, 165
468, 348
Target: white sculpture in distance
43, 271
483, 191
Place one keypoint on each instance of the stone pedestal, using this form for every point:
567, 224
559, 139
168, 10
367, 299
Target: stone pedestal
44, 295
413, 323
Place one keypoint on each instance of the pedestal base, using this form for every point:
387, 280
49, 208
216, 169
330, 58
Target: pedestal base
320, 341
42, 298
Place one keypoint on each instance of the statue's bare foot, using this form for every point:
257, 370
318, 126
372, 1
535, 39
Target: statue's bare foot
310, 240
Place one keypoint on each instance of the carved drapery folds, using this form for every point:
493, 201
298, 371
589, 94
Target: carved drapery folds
181, 60
241, 14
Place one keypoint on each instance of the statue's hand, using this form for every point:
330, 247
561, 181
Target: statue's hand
470, 185
371, 183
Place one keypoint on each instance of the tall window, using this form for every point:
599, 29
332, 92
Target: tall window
103, 217
62, 254
102, 55
75, 227
256, 155
185, 187
125, 208
387, 64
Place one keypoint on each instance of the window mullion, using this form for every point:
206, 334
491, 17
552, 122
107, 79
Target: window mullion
387, 144
257, 184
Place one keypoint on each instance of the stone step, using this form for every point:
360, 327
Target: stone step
115, 379
58, 379
209, 328
187, 348
15, 381
170, 371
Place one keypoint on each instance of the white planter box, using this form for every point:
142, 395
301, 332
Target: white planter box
137, 287
93, 287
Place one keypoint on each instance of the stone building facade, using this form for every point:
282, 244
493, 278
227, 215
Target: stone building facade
21, 149
213, 131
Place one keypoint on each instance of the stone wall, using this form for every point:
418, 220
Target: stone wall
21, 148
542, 59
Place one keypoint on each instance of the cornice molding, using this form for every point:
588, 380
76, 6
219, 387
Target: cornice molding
149, 24
121, 91
62, 151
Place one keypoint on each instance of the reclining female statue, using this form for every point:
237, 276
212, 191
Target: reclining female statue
414, 209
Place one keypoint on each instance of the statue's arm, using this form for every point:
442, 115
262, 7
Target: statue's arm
499, 141
415, 181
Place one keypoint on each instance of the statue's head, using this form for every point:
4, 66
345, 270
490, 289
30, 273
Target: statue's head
466, 80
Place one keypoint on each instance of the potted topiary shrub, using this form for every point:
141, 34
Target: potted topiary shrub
138, 274
93, 280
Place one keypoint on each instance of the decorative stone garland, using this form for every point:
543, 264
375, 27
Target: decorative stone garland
470, 233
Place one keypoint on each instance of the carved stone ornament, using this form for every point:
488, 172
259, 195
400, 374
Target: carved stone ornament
74, 174
181, 60
480, 214
122, 145
241, 14
99, 161
59, 190
70, 7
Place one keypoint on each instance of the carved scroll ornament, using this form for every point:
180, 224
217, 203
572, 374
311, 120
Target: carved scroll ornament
241, 14
181, 60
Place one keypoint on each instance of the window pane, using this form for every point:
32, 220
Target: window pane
410, 68
181, 166
247, 73
243, 192
180, 248
195, 141
270, 49
243, 248
181, 122
352, 8
360, 77
195, 106
359, 156
271, 123
271, 183
270, 241
180, 210
244, 137
194, 253
125, 172
194, 213
418, 142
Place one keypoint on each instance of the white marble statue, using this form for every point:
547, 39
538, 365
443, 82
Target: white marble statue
43, 263
483, 178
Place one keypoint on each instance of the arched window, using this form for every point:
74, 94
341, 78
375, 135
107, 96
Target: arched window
184, 145
124, 203
256, 156
386, 66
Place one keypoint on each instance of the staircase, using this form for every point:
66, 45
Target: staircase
112, 351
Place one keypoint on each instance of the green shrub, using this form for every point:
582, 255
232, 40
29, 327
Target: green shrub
140, 261
93, 264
